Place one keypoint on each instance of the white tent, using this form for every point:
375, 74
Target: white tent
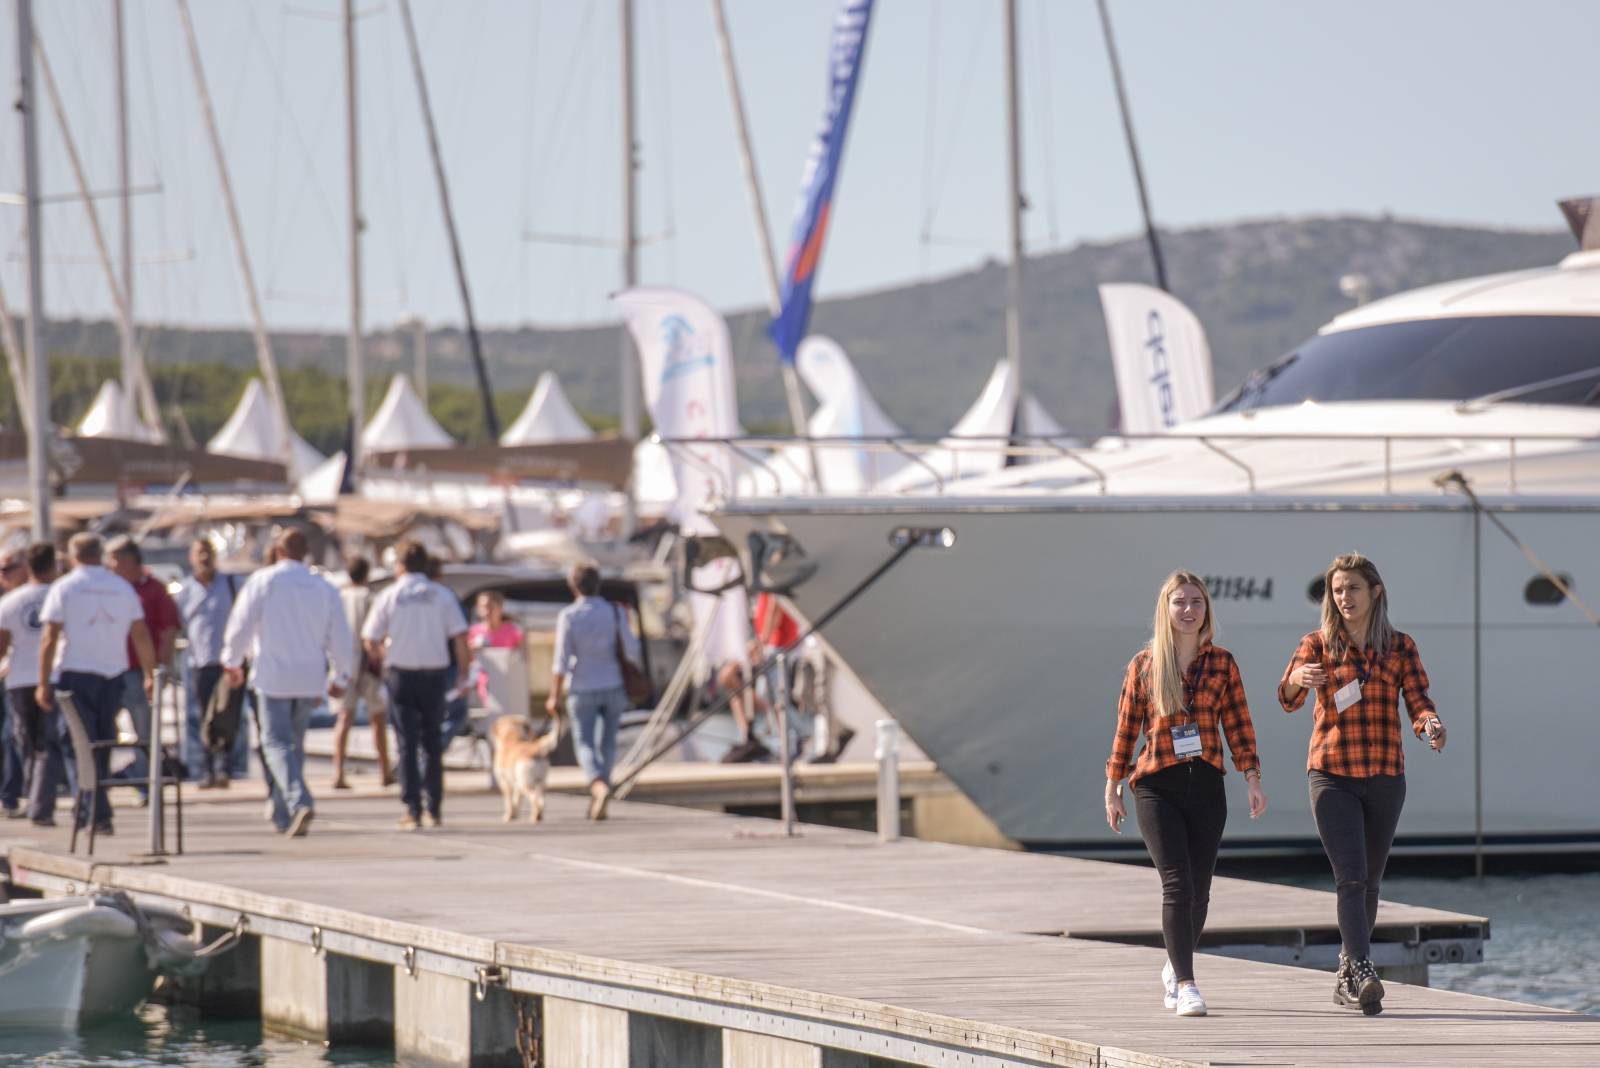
549, 416
112, 416
320, 485
845, 409
253, 432
402, 422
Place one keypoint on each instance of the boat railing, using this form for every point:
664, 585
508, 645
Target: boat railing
759, 465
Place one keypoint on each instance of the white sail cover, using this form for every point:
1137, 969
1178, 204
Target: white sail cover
321, 484
402, 422
112, 416
845, 409
1160, 356
252, 432
549, 416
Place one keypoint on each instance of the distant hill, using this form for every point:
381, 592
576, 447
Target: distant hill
925, 349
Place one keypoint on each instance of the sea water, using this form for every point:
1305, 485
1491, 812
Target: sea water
1544, 948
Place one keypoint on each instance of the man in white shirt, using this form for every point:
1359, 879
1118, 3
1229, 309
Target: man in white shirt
413, 627
88, 618
289, 624
36, 731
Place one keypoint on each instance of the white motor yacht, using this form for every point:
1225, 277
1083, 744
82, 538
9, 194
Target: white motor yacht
1000, 646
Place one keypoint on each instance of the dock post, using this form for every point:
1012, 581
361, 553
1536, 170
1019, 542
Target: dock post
745, 1049
230, 987
888, 757
158, 828
580, 1035
328, 996
439, 1019
786, 752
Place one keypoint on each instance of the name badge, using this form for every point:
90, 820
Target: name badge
1186, 740
1347, 695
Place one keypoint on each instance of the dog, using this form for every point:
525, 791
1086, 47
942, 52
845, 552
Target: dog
522, 763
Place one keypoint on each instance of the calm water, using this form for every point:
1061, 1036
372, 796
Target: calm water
1545, 949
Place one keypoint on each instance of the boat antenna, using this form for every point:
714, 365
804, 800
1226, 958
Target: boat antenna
1133, 147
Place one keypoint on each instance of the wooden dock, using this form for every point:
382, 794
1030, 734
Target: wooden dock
670, 936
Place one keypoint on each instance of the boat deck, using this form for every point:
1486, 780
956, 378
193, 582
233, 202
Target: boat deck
914, 951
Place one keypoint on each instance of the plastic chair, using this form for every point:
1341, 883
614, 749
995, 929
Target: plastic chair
84, 749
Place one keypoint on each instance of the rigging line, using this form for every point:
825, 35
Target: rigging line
562, 108
929, 125
668, 183
1044, 121
529, 97
392, 179
150, 131
271, 274
965, 94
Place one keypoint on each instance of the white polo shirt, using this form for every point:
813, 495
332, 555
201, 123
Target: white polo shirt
418, 618
290, 624
95, 609
20, 617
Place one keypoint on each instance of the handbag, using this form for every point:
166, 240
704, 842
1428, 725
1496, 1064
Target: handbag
634, 681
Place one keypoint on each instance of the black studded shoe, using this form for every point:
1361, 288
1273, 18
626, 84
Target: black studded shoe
1369, 988
1345, 991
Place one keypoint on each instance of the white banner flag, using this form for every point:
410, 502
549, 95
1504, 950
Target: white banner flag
687, 366
1160, 355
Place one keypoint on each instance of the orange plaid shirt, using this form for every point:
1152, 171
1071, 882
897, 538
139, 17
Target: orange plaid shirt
1364, 739
1216, 699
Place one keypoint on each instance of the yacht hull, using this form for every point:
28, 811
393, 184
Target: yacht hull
1002, 655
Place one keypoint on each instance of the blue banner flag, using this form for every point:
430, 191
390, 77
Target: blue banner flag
816, 181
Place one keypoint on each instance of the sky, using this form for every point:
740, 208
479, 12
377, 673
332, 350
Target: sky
1467, 111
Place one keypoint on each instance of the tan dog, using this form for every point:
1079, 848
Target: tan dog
522, 762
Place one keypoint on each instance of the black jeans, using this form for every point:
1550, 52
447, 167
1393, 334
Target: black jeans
1356, 819
416, 708
1182, 810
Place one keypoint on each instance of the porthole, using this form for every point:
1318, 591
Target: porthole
1540, 591
1315, 590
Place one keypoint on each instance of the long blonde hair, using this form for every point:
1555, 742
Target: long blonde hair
1162, 679
1380, 635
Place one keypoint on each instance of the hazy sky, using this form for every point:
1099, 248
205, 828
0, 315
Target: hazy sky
1468, 110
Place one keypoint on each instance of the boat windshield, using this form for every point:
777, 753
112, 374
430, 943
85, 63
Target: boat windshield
1534, 359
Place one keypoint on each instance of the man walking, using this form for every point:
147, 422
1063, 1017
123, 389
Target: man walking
89, 618
204, 601
288, 622
365, 685
12, 767
161, 620
412, 629
36, 731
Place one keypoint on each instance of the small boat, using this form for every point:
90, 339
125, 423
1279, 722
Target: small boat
72, 960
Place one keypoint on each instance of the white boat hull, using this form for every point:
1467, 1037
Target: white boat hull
1002, 656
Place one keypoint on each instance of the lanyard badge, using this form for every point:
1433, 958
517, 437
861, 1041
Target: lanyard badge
1347, 695
1186, 740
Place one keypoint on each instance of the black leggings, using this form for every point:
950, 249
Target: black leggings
1182, 810
1356, 819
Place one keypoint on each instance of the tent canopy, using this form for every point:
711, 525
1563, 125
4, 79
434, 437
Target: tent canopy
252, 432
112, 416
402, 422
548, 416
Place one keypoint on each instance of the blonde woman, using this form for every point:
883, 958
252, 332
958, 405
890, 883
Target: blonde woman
1182, 693
1359, 667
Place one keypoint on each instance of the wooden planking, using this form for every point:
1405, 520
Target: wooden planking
913, 927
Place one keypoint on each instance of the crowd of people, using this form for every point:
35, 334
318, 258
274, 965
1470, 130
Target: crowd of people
273, 647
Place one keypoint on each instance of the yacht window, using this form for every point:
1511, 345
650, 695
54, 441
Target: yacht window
1434, 359
1542, 592
1315, 590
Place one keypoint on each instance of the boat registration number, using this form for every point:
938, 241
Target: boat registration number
1239, 588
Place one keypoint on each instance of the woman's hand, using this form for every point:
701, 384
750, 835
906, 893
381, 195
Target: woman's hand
1115, 812
1433, 728
1258, 796
1309, 676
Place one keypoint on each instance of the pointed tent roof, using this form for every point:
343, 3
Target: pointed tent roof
549, 416
111, 416
402, 422
845, 409
252, 431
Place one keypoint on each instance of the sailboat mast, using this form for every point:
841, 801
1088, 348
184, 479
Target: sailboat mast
38, 392
629, 365
1133, 147
1015, 205
355, 369
130, 385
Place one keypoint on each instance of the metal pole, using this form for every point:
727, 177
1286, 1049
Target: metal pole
355, 370
419, 345
158, 844
888, 757
491, 421
130, 341
258, 323
38, 364
1015, 206
628, 368
1133, 147
769, 263
1477, 689
785, 744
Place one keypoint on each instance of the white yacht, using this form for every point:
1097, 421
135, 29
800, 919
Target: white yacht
1002, 652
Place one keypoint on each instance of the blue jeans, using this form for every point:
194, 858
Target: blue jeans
283, 743
137, 702
97, 698
38, 735
202, 680
596, 715
416, 709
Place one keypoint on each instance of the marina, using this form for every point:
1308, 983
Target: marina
702, 937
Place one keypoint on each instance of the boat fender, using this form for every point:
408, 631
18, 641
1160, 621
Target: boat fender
97, 921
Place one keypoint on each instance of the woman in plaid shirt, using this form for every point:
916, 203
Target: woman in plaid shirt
1359, 667
1182, 693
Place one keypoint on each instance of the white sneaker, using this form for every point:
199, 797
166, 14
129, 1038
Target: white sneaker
1190, 1003
1169, 986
